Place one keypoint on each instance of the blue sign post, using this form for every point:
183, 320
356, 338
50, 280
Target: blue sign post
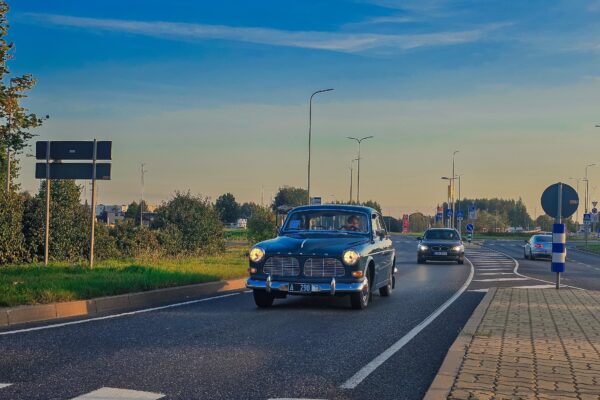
470, 228
559, 248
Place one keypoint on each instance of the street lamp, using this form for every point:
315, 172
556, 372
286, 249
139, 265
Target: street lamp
352, 176
310, 133
358, 177
452, 190
587, 186
449, 206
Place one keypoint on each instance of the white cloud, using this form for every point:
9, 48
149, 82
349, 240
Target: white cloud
332, 41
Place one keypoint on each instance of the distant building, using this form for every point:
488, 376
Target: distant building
115, 208
242, 223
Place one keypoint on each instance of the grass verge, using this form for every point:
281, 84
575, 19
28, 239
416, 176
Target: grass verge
35, 284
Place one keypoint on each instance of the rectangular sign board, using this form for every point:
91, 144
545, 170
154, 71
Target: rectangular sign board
73, 171
74, 150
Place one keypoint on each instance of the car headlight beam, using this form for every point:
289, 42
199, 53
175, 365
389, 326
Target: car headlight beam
422, 247
256, 254
457, 248
351, 257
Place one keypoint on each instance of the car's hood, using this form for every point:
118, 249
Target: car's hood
441, 242
312, 245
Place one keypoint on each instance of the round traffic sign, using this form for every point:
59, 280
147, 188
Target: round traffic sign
594, 210
570, 201
469, 227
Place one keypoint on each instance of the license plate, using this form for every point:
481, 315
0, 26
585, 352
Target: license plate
440, 253
300, 288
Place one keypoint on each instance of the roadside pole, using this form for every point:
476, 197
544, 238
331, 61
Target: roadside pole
47, 233
558, 227
95, 155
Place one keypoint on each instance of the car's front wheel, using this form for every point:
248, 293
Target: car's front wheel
461, 261
386, 290
262, 298
360, 300
420, 260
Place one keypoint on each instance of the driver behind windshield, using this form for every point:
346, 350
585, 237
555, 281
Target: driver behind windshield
352, 224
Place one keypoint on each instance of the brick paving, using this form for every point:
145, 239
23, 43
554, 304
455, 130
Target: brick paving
534, 344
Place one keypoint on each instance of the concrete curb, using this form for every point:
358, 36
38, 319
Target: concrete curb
151, 298
584, 251
442, 383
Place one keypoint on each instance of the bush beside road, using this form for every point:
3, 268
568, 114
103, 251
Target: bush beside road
36, 284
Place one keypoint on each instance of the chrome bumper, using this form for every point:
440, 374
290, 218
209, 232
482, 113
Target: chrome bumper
325, 288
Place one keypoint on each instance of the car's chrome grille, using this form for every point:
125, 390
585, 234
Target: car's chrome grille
439, 248
323, 267
282, 266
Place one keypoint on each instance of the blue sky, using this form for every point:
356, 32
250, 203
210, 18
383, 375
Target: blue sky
212, 95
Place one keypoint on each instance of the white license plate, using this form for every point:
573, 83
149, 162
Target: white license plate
300, 288
440, 253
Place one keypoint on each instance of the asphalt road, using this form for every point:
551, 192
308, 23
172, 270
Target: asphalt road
226, 348
582, 269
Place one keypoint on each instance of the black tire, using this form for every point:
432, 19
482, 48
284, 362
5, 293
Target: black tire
460, 261
262, 298
525, 255
531, 256
360, 301
421, 260
386, 291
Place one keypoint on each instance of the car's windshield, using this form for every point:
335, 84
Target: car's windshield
327, 220
441, 234
542, 239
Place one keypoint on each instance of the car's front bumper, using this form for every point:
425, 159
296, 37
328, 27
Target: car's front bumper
451, 256
330, 288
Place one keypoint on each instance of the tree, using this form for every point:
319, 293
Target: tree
418, 222
133, 211
261, 226
392, 224
372, 204
200, 229
12, 241
15, 131
228, 208
544, 222
248, 209
290, 196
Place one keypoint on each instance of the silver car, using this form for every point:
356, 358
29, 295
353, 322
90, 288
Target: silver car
538, 246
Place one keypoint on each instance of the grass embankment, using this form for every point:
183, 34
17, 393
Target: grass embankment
235, 234
34, 284
595, 248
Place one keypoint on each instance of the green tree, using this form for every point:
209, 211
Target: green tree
15, 131
12, 241
228, 208
418, 222
248, 209
135, 241
544, 222
372, 204
196, 219
133, 211
290, 196
69, 222
261, 226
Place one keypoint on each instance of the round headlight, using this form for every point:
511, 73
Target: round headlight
351, 257
457, 248
256, 254
422, 247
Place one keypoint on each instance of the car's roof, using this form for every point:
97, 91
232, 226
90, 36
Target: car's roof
349, 207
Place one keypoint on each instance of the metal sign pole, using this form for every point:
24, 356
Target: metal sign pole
93, 204
47, 233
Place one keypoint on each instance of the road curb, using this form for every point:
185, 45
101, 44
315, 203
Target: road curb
45, 312
442, 383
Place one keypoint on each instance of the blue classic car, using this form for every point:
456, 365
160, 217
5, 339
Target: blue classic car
324, 250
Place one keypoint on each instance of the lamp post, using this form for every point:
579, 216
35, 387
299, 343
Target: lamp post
310, 133
452, 190
587, 189
352, 176
577, 215
449, 195
359, 141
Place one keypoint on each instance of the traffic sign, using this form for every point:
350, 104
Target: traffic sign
472, 212
594, 203
569, 201
73, 171
315, 201
469, 228
594, 210
460, 214
587, 218
449, 213
73, 150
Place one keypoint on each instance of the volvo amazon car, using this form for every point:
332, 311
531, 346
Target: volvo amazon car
538, 246
324, 250
440, 244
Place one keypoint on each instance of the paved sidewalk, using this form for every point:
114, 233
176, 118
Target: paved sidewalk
534, 344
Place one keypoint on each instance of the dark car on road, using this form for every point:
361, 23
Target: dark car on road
440, 244
326, 250
538, 246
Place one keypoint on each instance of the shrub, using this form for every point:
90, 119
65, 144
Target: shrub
262, 225
135, 241
197, 221
12, 241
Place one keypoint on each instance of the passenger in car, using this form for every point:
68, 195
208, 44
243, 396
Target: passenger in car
352, 224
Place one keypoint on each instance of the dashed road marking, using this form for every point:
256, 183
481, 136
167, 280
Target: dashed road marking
107, 393
3, 385
479, 290
500, 279
494, 273
365, 371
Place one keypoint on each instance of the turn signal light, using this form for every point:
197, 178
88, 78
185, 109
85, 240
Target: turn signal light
252, 270
357, 274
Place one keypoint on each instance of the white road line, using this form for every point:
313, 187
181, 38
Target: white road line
107, 393
534, 287
494, 273
516, 271
496, 269
365, 371
479, 290
3, 385
500, 279
145, 310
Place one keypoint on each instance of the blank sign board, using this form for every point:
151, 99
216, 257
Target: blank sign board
74, 150
73, 171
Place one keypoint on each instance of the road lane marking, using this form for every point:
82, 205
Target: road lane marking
125, 314
107, 393
479, 290
365, 371
494, 273
500, 279
3, 385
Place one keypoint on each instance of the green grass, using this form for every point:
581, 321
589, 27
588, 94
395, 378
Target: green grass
590, 247
236, 234
34, 284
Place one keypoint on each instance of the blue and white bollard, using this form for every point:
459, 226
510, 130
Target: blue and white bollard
559, 250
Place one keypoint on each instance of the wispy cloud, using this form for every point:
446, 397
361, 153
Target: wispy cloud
332, 41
